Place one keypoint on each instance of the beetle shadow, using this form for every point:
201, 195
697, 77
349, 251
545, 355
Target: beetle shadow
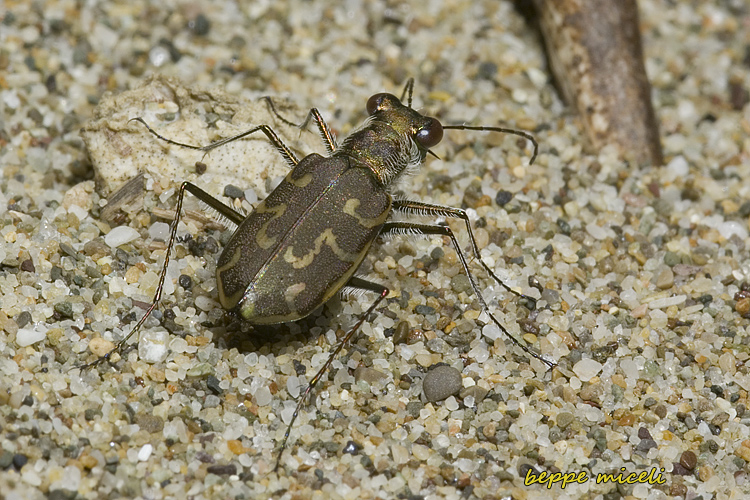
235, 332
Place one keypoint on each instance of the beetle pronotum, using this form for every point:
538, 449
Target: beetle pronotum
304, 243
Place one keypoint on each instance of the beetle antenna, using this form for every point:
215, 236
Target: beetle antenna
520, 133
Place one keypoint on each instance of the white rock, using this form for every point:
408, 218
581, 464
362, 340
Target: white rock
145, 452
159, 231
121, 235
263, 396
152, 347
586, 369
28, 336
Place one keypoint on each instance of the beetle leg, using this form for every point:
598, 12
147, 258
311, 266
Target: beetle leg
411, 228
354, 282
211, 202
419, 208
328, 138
223, 210
282, 148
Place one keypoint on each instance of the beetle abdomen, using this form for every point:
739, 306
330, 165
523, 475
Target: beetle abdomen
303, 242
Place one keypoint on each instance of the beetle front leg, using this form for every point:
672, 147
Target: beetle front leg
282, 148
419, 208
410, 228
209, 200
325, 132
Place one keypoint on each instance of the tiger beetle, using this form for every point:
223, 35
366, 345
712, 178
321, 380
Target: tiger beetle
303, 244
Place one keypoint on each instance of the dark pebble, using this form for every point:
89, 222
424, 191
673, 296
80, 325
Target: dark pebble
28, 265
23, 319
401, 334
91, 413
688, 460
460, 283
61, 495
643, 433
690, 423
185, 281
200, 25
299, 367
441, 382
93, 272
213, 384
525, 469
413, 408
424, 310
564, 226
233, 191
222, 470
487, 70
19, 460
64, 309
502, 197
351, 448
68, 250
478, 393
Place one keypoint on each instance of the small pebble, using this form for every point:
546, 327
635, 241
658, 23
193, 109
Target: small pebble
222, 470
152, 347
665, 279
586, 369
503, 197
441, 382
28, 336
369, 375
232, 191
120, 236
99, 346
150, 423
145, 452
688, 460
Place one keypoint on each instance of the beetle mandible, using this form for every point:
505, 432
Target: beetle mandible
304, 243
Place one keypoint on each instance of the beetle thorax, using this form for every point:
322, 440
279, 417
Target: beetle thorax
379, 146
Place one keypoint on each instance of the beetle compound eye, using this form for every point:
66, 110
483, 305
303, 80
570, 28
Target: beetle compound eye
379, 102
430, 134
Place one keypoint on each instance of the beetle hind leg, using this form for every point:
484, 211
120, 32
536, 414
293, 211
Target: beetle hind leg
212, 202
356, 283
